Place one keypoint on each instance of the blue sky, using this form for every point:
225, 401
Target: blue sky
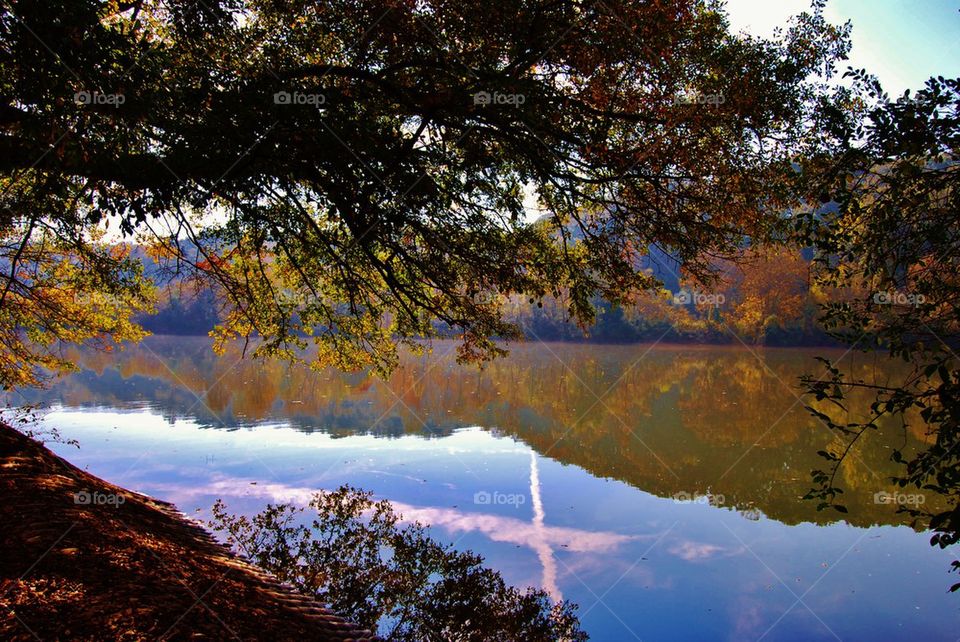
902, 42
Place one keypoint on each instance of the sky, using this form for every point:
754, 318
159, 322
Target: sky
902, 42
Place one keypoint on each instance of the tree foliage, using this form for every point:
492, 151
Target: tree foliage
363, 172
767, 287
356, 556
891, 248
60, 284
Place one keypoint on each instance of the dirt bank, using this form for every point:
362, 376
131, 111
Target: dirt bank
83, 559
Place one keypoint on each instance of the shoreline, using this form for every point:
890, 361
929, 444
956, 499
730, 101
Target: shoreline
87, 560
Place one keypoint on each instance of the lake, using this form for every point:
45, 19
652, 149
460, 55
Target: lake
658, 487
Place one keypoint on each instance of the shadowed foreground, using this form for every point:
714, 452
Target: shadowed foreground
125, 566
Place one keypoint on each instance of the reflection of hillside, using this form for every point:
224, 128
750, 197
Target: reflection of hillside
736, 400
678, 419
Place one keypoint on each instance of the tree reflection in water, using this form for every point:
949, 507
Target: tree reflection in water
664, 419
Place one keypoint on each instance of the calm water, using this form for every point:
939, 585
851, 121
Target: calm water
566, 466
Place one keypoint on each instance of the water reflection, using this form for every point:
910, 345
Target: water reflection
562, 465
666, 420
534, 535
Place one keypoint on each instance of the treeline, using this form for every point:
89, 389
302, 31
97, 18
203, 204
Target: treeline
764, 297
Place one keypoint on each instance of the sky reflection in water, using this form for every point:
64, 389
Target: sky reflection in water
559, 464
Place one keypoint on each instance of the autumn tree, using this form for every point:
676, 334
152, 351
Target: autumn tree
61, 285
363, 173
766, 287
890, 242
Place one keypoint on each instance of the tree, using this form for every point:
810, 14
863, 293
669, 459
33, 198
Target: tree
392, 579
890, 246
359, 173
766, 287
56, 289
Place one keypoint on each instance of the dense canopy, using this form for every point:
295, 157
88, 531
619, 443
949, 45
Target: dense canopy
368, 172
